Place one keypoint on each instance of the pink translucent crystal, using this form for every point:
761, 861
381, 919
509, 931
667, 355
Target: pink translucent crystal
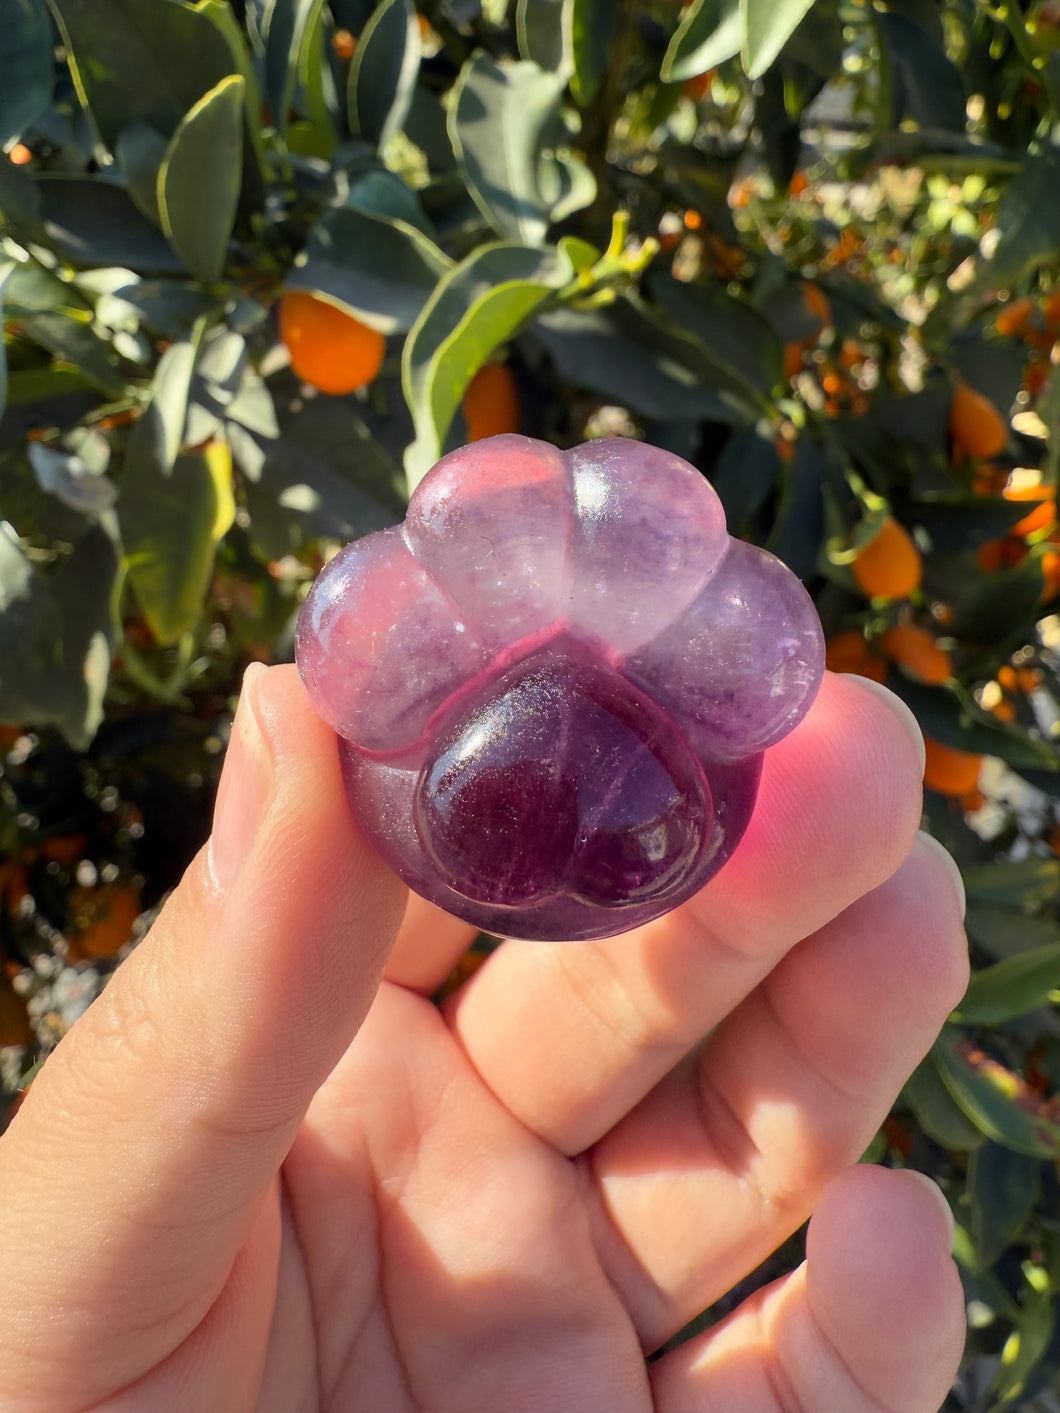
554, 683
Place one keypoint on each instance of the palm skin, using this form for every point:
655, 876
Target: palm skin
340, 1197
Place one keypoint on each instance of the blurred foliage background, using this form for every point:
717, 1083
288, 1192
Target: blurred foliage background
262, 261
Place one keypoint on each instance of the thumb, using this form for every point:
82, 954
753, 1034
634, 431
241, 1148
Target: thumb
132, 1173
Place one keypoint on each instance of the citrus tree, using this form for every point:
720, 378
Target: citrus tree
263, 261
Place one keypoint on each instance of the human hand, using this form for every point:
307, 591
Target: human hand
252, 1177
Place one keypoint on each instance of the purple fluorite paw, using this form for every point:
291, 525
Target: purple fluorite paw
554, 683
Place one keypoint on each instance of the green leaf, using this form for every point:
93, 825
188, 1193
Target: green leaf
710, 32
589, 30
56, 636
383, 193
1002, 1187
136, 61
198, 182
478, 306
26, 65
1008, 932
539, 26
323, 477
744, 476
949, 715
1029, 1341
997, 1101
502, 121
1027, 220
799, 527
5, 274
383, 72
384, 270
997, 607
169, 400
925, 84
1011, 987
284, 30
738, 340
768, 25
93, 222
73, 341
170, 524
626, 356
140, 152
1027, 882
936, 1110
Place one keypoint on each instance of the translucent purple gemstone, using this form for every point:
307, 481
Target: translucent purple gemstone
554, 683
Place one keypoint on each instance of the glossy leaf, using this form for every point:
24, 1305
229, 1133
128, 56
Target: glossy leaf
147, 62
170, 524
956, 721
589, 28
768, 25
1028, 219
1011, 987
73, 341
140, 152
169, 400
478, 306
936, 1110
94, 223
925, 85
1000, 606
508, 179
287, 22
26, 64
383, 72
710, 32
737, 339
744, 477
1030, 882
633, 361
382, 269
539, 26
997, 1101
1002, 1188
6, 271
198, 182
1008, 931
56, 636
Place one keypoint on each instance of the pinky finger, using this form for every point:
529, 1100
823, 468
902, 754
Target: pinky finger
873, 1321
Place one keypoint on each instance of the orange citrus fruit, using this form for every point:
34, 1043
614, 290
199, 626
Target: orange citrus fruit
698, 86
916, 650
15, 1028
890, 565
976, 425
817, 302
20, 154
330, 349
491, 403
849, 652
104, 917
1043, 514
950, 772
343, 45
1013, 318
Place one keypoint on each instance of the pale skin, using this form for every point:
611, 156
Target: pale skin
265, 1172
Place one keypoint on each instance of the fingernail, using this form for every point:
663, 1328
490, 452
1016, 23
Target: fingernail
936, 1192
901, 711
243, 789
947, 858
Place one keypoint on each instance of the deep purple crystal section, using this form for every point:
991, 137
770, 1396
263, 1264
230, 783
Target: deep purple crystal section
555, 682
